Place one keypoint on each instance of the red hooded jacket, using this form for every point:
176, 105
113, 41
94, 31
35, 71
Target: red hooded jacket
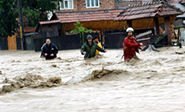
129, 46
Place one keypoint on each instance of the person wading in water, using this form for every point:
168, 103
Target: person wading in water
49, 50
96, 40
89, 48
130, 46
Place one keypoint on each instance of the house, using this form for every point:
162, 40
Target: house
49, 28
93, 14
104, 18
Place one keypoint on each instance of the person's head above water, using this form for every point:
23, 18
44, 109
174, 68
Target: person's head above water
89, 38
48, 41
96, 39
130, 31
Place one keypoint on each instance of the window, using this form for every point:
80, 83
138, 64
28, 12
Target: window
92, 3
66, 4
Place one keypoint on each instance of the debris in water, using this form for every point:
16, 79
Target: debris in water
54, 66
96, 74
7, 88
59, 58
179, 53
32, 81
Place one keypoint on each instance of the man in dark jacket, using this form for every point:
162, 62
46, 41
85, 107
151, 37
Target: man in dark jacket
89, 48
49, 50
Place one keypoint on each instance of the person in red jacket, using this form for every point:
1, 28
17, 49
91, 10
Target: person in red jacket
130, 45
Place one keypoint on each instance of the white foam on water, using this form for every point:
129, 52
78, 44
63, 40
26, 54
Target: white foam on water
153, 84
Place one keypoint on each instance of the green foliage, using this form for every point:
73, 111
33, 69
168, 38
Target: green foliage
33, 11
31, 16
79, 29
37, 10
1, 5
8, 14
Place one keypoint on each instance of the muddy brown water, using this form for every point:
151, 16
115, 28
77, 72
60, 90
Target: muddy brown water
156, 83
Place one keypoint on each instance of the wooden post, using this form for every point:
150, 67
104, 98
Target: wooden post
58, 5
168, 29
41, 29
100, 37
129, 23
21, 24
179, 34
103, 39
59, 29
156, 26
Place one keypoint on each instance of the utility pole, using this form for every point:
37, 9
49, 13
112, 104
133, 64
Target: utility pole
58, 5
21, 23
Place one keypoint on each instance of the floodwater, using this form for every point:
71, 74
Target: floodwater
156, 83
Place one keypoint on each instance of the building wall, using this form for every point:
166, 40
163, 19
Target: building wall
50, 27
125, 4
80, 5
75, 7
50, 30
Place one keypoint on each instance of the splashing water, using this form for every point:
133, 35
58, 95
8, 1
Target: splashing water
155, 83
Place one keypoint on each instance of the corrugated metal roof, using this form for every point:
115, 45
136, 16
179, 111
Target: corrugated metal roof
147, 11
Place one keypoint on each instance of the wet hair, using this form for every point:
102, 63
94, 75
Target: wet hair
96, 37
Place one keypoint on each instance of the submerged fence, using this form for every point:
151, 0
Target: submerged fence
34, 41
66, 42
114, 40
3, 43
62, 42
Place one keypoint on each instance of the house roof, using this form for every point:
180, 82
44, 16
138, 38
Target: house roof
27, 29
180, 6
174, 1
148, 10
49, 22
84, 16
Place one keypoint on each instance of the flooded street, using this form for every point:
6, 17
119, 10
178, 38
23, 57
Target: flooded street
156, 83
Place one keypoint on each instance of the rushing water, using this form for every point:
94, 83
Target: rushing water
156, 83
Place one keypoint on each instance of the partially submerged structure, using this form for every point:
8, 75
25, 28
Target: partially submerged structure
141, 17
95, 20
179, 24
150, 16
